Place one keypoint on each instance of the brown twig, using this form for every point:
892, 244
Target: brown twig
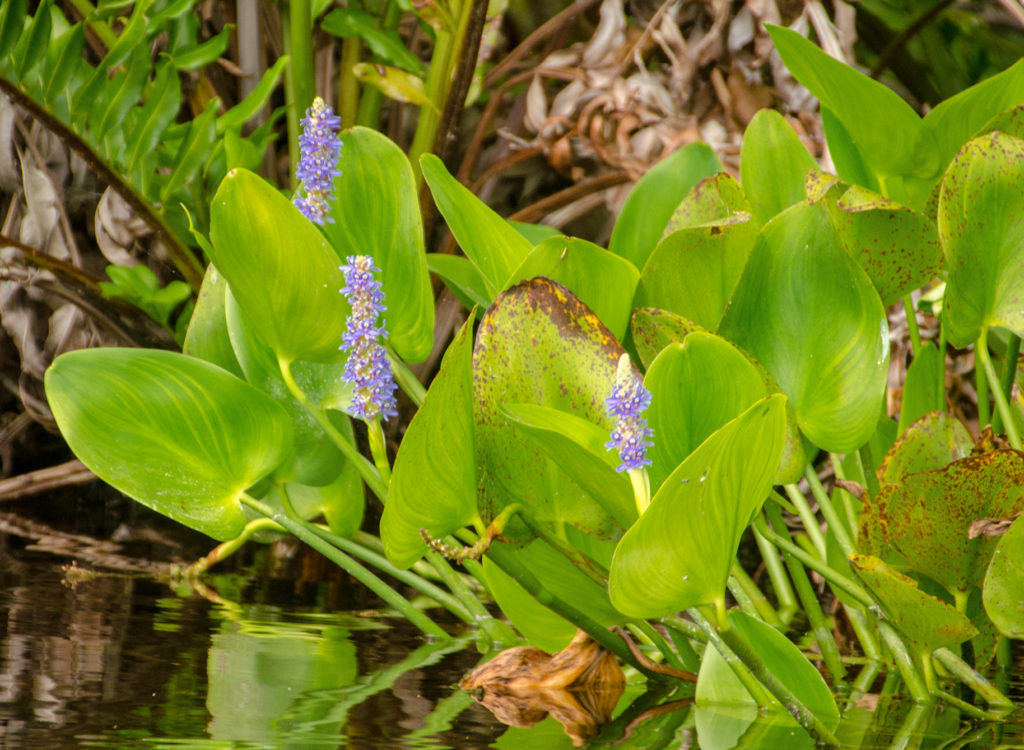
44, 480
653, 666
546, 205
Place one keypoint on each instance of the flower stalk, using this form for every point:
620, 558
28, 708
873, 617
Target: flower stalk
627, 403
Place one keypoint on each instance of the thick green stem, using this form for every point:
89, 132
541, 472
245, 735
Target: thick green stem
915, 334
867, 462
835, 523
777, 575
810, 522
366, 470
501, 555
865, 635
224, 550
297, 26
659, 642
830, 574
408, 382
981, 380
395, 600
981, 352
741, 585
370, 101
379, 449
348, 84
1009, 373
852, 514
963, 672
809, 600
904, 663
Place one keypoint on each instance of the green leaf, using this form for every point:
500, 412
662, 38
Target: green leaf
773, 165
679, 552
376, 212
129, 39
35, 41
12, 24
197, 56
462, 277
163, 100
718, 687
927, 623
980, 208
433, 484
341, 502
694, 270
951, 123
207, 336
798, 276
654, 198
697, 387
603, 281
535, 233
65, 55
538, 344
179, 435
860, 104
930, 443
490, 242
127, 96
925, 519
250, 105
281, 270
1003, 592
898, 248
540, 625
384, 43
394, 83
923, 390
578, 446
194, 149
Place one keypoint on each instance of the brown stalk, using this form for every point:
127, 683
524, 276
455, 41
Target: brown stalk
546, 205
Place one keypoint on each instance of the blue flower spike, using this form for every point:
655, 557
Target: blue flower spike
627, 403
368, 368
320, 148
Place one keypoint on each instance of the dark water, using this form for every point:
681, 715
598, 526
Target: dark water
281, 651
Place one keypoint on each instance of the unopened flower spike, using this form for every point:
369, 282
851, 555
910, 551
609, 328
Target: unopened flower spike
368, 367
320, 148
627, 403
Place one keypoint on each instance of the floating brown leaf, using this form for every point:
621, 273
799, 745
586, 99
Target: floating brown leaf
579, 686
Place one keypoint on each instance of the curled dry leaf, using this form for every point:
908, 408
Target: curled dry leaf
991, 526
579, 686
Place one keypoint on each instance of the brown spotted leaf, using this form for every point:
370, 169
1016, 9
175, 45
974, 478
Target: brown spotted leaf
924, 522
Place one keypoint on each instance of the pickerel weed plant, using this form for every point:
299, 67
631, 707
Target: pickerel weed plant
609, 423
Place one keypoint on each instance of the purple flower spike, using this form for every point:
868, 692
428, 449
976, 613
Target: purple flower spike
368, 367
320, 148
628, 401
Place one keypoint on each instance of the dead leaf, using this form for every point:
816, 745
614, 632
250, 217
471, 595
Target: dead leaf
991, 526
579, 686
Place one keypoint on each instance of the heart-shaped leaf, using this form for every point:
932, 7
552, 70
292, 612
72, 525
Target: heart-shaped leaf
433, 484
283, 273
376, 212
207, 336
678, 553
798, 276
980, 208
538, 344
179, 435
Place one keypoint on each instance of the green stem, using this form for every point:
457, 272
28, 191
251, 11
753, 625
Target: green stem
852, 515
379, 449
867, 462
777, 575
436, 88
981, 352
366, 470
830, 574
904, 663
497, 630
915, 334
865, 635
1009, 373
685, 628
502, 556
941, 406
661, 644
101, 29
395, 600
741, 585
967, 708
348, 84
381, 563
963, 672
580, 561
757, 691
981, 378
809, 600
835, 523
297, 26
809, 520
370, 101
743, 652
224, 550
